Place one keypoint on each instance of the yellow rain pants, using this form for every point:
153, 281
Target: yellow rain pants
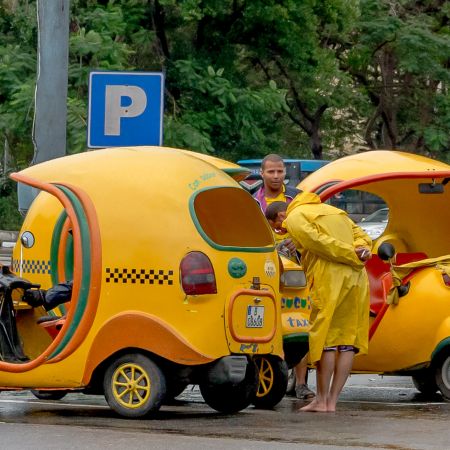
339, 289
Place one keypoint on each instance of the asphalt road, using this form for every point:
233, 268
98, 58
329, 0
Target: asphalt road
374, 413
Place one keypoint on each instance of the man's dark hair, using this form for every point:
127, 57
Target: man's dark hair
273, 157
274, 208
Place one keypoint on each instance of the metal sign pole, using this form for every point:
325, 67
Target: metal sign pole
49, 131
50, 116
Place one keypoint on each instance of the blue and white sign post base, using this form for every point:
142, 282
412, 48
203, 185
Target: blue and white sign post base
125, 109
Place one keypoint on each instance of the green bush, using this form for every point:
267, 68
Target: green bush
10, 219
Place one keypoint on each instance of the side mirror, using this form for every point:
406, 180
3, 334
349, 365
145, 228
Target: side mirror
386, 251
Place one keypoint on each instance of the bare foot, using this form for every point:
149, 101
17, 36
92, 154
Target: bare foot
331, 407
314, 406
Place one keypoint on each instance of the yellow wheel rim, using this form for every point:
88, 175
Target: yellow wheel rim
265, 376
131, 385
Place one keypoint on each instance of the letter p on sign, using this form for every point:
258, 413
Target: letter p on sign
114, 110
125, 109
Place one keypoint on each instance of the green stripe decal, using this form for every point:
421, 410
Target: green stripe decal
86, 275
296, 337
232, 171
56, 239
68, 261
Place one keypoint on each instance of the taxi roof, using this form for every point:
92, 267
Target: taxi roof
373, 165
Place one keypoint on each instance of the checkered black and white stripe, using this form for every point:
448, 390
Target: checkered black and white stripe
142, 276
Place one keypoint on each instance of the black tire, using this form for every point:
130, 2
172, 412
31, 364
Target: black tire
134, 386
49, 395
272, 381
442, 372
230, 398
425, 382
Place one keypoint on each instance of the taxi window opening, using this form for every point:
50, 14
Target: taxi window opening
230, 217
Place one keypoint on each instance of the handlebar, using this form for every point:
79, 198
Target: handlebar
9, 281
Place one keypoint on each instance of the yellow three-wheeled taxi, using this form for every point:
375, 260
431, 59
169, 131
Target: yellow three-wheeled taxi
175, 281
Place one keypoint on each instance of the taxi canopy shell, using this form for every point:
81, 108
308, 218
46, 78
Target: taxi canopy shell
418, 219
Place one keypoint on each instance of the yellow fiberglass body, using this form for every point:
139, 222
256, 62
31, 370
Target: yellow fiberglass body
175, 278
295, 311
410, 336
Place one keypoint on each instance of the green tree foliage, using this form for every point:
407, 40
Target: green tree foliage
17, 78
400, 60
17, 82
248, 77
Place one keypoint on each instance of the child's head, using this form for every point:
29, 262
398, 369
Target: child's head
275, 214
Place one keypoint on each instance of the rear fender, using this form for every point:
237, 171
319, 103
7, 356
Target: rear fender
444, 344
133, 329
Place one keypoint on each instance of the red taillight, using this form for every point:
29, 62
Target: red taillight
446, 279
197, 274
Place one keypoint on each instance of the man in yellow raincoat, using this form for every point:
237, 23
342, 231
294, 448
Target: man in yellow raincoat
333, 251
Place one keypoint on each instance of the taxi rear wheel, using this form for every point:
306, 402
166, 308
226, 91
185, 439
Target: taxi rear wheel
425, 382
272, 381
443, 375
231, 398
134, 386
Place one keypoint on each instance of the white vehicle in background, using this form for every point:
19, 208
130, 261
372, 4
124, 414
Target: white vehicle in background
375, 223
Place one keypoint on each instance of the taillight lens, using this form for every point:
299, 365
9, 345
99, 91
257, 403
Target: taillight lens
197, 274
446, 279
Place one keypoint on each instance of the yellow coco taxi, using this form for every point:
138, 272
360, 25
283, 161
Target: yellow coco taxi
175, 281
410, 299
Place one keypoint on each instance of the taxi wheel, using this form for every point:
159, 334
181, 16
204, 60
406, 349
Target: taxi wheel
443, 375
134, 386
230, 398
49, 395
425, 382
272, 381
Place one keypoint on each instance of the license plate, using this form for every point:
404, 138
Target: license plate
255, 316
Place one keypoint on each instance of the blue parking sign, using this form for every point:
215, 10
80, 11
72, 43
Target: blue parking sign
125, 109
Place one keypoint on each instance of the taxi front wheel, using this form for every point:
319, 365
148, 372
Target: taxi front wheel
134, 386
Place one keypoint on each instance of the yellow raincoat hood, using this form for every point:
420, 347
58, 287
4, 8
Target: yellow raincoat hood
343, 250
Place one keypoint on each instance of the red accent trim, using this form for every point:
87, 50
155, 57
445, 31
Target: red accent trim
385, 306
42, 358
53, 326
96, 265
377, 320
342, 185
